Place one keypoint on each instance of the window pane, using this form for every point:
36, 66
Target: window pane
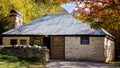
23, 42
84, 40
13, 42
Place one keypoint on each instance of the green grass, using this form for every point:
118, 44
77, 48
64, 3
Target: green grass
8, 58
8, 61
11, 58
19, 65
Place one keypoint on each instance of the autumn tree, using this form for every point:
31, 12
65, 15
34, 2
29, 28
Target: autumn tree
100, 14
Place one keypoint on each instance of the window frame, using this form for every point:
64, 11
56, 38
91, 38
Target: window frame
82, 42
38, 40
23, 40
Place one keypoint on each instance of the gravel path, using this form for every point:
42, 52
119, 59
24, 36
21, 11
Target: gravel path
77, 64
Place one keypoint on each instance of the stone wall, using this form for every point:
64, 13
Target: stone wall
109, 50
6, 40
92, 52
26, 51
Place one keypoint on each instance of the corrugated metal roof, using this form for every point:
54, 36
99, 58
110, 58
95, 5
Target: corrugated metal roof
56, 24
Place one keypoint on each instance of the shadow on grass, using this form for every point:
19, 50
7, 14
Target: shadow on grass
15, 62
11, 58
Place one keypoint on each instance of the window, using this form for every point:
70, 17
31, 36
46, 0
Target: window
23, 42
38, 40
13, 42
84, 40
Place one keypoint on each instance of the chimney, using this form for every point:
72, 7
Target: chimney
16, 19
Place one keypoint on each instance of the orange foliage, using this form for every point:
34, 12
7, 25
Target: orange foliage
67, 1
96, 8
63, 1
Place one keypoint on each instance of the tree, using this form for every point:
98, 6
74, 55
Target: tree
31, 9
100, 14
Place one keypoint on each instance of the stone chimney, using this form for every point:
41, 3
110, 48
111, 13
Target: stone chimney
16, 19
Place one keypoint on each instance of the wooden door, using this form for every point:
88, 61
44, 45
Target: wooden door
57, 47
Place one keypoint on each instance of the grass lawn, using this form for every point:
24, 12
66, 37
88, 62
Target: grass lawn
5, 64
13, 62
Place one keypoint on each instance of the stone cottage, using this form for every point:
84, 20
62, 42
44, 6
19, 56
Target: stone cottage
66, 37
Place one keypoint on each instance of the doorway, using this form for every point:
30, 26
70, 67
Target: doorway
46, 42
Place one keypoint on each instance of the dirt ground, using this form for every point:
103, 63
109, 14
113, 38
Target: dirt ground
78, 64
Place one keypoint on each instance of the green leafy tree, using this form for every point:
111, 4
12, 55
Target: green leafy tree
31, 9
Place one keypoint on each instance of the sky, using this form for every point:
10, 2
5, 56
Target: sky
69, 7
